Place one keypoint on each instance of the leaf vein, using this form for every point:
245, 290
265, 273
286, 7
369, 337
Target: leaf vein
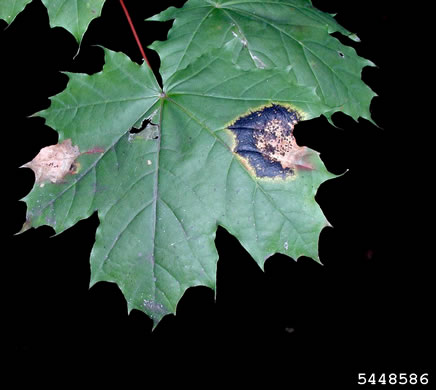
123, 230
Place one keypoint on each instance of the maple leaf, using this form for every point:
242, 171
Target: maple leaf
160, 199
217, 150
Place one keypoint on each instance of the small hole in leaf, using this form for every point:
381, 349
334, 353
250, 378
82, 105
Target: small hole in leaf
342, 55
135, 130
148, 130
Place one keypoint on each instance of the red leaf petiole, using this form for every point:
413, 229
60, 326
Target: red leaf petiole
132, 27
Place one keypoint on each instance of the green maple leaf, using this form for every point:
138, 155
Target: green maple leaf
73, 15
217, 150
289, 34
159, 200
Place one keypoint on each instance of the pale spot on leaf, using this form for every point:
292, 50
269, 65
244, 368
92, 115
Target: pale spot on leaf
54, 162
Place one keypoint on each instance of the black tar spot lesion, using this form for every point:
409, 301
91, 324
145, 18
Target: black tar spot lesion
252, 128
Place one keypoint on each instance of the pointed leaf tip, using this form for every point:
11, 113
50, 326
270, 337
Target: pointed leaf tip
73, 15
9, 9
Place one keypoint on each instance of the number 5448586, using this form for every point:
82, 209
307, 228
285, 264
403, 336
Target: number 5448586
392, 379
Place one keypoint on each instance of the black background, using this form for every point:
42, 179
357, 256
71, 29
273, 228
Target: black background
367, 309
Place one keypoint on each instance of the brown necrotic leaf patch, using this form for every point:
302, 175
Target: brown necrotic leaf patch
265, 141
54, 162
